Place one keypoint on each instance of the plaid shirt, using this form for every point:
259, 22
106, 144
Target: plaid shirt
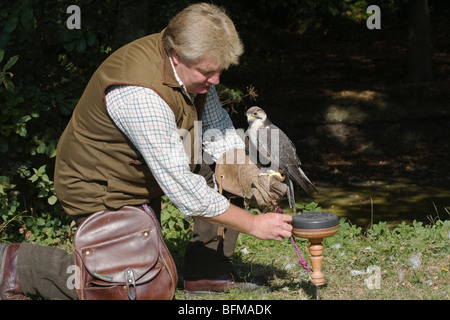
148, 121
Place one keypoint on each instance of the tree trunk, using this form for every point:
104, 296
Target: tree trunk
419, 47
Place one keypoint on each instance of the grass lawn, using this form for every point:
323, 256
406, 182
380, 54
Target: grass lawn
403, 262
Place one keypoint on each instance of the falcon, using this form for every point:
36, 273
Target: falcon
273, 145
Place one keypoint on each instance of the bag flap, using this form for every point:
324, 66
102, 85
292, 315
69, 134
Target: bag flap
109, 242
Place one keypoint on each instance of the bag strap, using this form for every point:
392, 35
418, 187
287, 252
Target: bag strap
147, 210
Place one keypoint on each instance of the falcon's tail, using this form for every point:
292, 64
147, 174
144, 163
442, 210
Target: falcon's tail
300, 178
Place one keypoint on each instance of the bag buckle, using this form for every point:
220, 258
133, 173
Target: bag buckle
131, 284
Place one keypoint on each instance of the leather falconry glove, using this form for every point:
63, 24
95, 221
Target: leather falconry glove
236, 174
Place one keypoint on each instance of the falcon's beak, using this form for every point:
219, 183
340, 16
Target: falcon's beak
250, 117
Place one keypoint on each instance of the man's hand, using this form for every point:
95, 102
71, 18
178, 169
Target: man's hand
272, 226
266, 189
268, 226
236, 174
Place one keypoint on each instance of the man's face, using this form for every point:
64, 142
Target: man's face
197, 77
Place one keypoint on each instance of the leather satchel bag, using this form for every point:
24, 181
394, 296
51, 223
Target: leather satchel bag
121, 255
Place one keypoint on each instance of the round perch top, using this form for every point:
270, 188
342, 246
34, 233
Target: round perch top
315, 220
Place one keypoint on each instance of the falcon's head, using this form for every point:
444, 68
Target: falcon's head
256, 114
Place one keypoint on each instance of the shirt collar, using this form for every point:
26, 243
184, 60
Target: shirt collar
179, 80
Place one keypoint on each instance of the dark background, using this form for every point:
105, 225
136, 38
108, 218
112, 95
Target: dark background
367, 109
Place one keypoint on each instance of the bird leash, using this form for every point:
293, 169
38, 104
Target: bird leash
301, 261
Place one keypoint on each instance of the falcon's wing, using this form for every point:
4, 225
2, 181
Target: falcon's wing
289, 161
288, 152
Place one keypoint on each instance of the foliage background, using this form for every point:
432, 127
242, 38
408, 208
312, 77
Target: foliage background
44, 68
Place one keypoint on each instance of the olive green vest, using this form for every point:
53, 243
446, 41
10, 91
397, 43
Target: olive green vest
97, 167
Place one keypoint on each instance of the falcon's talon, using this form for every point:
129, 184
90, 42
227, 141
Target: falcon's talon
270, 173
275, 174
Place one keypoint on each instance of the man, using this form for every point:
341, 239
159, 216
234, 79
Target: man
122, 147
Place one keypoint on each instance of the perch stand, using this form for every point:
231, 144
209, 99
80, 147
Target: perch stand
315, 226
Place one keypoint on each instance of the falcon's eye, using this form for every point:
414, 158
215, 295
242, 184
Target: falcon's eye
254, 113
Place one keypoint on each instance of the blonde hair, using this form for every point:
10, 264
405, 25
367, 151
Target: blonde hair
201, 30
